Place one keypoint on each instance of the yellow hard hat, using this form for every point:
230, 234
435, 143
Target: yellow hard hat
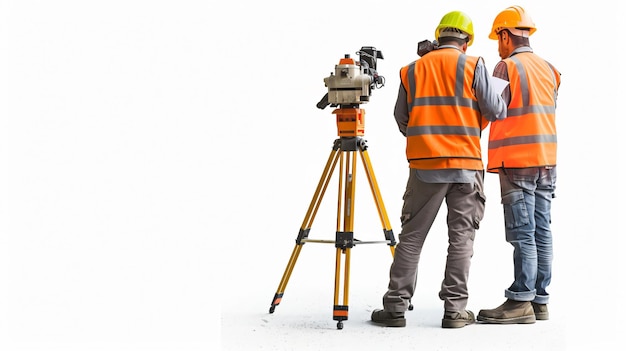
516, 20
457, 20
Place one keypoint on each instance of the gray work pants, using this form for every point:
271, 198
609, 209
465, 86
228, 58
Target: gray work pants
422, 201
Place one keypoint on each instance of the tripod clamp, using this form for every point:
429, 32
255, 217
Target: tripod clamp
350, 144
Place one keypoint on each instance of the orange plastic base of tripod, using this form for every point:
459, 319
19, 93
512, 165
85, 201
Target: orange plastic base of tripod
350, 122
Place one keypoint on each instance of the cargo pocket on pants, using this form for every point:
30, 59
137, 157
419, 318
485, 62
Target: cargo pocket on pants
480, 208
407, 206
515, 211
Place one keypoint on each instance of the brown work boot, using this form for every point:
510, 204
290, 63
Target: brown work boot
389, 319
510, 312
457, 319
541, 311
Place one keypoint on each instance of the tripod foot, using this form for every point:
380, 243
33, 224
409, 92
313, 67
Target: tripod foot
276, 301
340, 314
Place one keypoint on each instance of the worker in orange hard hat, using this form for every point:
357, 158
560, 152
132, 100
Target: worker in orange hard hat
443, 101
522, 151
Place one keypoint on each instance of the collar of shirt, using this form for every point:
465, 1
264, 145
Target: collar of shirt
521, 49
450, 47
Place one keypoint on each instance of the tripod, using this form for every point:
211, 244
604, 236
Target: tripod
350, 127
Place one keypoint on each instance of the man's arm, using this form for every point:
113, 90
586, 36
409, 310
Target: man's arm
500, 71
490, 103
401, 111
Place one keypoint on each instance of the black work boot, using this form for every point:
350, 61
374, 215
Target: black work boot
541, 311
389, 319
457, 319
510, 312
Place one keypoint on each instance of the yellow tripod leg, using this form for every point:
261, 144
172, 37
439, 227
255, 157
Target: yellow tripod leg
305, 228
344, 240
382, 212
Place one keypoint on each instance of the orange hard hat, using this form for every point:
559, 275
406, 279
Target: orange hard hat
516, 20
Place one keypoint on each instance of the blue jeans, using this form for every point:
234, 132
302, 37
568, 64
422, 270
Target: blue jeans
527, 199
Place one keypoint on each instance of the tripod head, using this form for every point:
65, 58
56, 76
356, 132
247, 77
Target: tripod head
351, 85
352, 82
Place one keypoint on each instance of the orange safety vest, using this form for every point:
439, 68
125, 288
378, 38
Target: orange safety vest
444, 126
527, 137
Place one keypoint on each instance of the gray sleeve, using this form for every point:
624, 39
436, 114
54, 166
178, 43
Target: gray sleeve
490, 103
401, 111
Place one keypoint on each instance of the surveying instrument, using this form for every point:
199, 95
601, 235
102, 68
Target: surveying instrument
349, 86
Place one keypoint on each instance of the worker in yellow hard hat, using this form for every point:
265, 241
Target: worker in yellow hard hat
443, 100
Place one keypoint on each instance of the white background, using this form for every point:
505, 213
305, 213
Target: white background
158, 158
